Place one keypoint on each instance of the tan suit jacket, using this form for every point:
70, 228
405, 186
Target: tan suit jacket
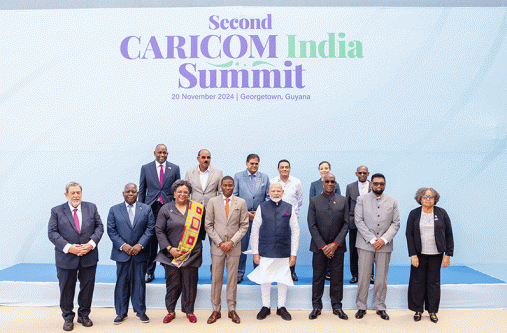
222, 229
212, 188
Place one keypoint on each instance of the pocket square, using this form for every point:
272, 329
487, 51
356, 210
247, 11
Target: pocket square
285, 214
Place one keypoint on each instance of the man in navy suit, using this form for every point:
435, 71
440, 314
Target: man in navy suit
253, 187
130, 225
75, 229
155, 184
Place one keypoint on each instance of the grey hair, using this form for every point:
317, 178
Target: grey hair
420, 192
362, 166
72, 184
329, 174
181, 182
128, 185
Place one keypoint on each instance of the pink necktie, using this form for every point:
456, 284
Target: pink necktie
76, 221
161, 181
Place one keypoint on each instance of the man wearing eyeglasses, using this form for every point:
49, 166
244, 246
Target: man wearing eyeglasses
355, 189
377, 221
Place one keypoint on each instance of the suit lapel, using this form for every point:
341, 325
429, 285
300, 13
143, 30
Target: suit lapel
167, 170
125, 213
154, 172
210, 175
139, 211
70, 217
232, 206
197, 178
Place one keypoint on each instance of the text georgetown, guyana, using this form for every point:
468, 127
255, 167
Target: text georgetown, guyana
239, 61
239, 96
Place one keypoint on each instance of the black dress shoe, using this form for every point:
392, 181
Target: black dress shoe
417, 316
360, 314
263, 313
340, 314
240, 279
85, 321
383, 314
314, 314
372, 281
433, 317
143, 317
68, 325
150, 278
120, 319
353, 280
282, 312
294, 276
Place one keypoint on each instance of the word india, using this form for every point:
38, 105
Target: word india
227, 50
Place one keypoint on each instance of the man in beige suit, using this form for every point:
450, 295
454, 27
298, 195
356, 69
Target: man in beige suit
226, 223
205, 179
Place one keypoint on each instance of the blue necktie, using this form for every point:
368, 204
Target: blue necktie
131, 215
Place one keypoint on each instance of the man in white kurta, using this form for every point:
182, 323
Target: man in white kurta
274, 241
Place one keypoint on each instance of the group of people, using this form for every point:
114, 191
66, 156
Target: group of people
175, 215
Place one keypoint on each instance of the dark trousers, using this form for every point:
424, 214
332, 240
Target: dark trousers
67, 281
245, 241
180, 281
424, 284
354, 256
130, 284
319, 264
153, 243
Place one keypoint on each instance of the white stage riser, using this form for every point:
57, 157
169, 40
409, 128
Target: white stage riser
465, 296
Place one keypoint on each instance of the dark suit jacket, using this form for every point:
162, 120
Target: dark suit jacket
149, 185
328, 221
351, 193
443, 232
316, 188
63, 231
121, 231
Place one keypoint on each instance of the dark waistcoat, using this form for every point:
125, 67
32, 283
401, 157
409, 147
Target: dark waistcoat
275, 232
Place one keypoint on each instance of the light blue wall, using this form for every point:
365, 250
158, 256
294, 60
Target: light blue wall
426, 106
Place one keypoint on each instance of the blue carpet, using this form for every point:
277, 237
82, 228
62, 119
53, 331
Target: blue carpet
398, 275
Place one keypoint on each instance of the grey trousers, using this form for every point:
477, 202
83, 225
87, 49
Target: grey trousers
366, 259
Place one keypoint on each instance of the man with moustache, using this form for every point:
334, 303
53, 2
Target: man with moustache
75, 229
377, 221
226, 224
292, 193
328, 225
155, 190
205, 178
252, 186
355, 189
130, 225
275, 241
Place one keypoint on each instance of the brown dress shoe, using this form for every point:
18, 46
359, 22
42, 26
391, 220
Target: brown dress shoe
214, 317
234, 317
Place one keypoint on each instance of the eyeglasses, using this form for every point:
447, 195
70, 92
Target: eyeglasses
182, 192
362, 173
427, 197
379, 184
330, 181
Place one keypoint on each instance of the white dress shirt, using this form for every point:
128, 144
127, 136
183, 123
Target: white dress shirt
204, 178
158, 168
363, 187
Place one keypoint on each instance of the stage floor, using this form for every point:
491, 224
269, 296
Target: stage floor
462, 288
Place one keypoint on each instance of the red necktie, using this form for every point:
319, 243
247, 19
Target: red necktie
76, 221
161, 181
227, 208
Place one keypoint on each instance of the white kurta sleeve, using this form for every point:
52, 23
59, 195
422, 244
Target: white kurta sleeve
294, 233
254, 235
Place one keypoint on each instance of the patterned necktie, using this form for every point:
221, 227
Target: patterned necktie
227, 208
76, 221
161, 181
131, 215
252, 183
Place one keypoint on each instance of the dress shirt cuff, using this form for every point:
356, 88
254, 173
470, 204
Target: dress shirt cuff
385, 240
66, 248
372, 241
322, 247
92, 243
294, 253
121, 247
142, 247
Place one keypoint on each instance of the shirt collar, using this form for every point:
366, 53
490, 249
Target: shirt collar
328, 195
252, 174
133, 205
224, 197
203, 173
72, 208
158, 164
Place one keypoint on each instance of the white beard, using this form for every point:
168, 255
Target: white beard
277, 200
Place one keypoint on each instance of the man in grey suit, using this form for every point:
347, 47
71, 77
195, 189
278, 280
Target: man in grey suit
377, 221
355, 189
205, 178
253, 187
226, 224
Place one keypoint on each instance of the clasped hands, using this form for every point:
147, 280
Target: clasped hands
132, 250
226, 247
257, 260
379, 242
80, 249
329, 249
446, 261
